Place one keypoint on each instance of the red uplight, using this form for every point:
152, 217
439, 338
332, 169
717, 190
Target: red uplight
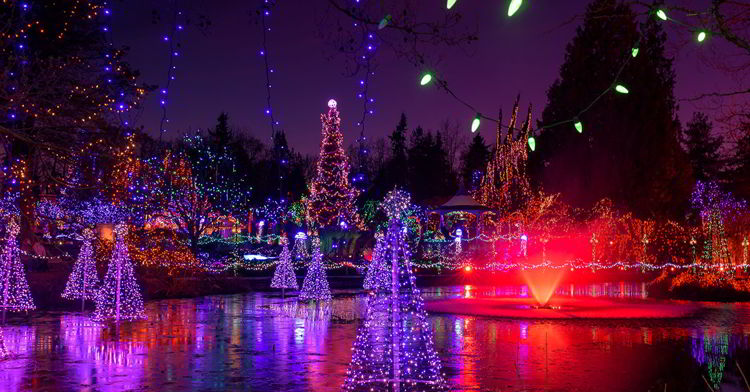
467, 268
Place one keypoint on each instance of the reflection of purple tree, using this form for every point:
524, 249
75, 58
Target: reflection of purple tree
19, 342
393, 350
4, 354
79, 335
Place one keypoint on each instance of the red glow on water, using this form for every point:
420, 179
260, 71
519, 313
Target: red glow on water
542, 283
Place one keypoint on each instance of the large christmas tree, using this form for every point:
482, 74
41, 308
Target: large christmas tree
119, 297
14, 289
393, 350
83, 281
315, 286
331, 195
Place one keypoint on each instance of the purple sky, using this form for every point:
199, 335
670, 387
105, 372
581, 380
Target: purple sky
222, 70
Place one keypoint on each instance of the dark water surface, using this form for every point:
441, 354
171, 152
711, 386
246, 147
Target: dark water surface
259, 342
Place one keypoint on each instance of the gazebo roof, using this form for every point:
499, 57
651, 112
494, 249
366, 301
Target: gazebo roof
462, 202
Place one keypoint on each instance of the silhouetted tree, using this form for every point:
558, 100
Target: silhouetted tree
703, 148
629, 150
429, 172
474, 161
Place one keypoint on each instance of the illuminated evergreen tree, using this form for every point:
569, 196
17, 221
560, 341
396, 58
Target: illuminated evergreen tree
119, 297
331, 195
65, 87
14, 289
284, 277
629, 149
393, 350
83, 281
315, 286
378, 272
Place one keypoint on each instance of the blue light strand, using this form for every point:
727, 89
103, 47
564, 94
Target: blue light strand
121, 108
174, 45
369, 49
20, 46
265, 10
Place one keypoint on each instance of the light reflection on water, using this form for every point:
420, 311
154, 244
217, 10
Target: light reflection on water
259, 342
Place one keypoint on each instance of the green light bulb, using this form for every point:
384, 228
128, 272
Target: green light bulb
475, 123
514, 6
450, 3
661, 14
701, 36
579, 126
634, 51
532, 143
426, 78
621, 89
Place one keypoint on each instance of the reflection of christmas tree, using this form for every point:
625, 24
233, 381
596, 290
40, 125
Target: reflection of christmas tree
4, 354
315, 286
119, 297
393, 350
331, 195
14, 288
83, 281
284, 277
378, 275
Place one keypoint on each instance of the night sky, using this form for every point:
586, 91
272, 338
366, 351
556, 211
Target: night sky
221, 69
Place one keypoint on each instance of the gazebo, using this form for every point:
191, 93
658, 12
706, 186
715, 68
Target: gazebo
460, 212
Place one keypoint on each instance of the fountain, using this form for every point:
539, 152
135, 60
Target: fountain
540, 302
542, 284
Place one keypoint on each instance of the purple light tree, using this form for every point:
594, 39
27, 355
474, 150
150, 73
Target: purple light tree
14, 289
119, 297
83, 281
378, 276
315, 286
284, 277
393, 350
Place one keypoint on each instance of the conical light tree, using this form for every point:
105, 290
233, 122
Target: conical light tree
300, 246
83, 281
331, 194
119, 297
284, 277
14, 289
393, 350
315, 286
378, 276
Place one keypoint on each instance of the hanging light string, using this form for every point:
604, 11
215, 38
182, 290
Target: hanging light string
266, 7
429, 77
369, 48
442, 84
265, 13
174, 46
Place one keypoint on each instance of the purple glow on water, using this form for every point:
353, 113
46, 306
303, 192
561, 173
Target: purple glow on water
256, 342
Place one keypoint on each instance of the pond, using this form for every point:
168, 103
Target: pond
261, 342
